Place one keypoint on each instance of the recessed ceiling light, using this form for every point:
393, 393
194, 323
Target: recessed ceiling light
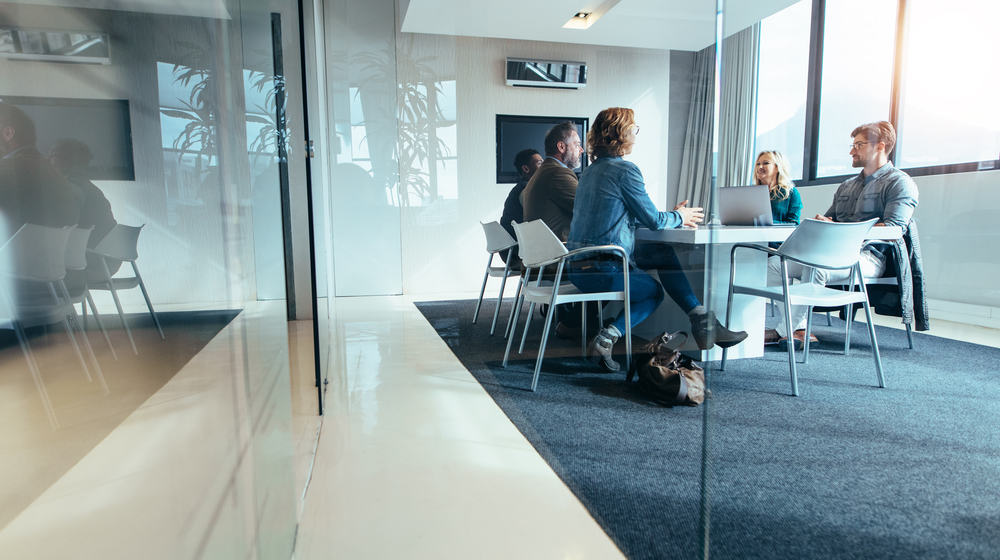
584, 19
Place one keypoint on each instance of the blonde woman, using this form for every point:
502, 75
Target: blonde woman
772, 170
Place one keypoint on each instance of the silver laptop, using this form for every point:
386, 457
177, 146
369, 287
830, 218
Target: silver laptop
745, 206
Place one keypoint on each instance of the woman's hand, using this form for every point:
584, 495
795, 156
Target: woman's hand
691, 216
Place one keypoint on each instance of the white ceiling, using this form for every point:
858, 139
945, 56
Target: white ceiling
654, 24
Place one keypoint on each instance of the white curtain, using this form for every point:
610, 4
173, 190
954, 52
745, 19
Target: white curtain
737, 116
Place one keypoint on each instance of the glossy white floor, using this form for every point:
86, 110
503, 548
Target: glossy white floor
415, 459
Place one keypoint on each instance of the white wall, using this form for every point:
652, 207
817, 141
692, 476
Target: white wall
957, 220
442, 242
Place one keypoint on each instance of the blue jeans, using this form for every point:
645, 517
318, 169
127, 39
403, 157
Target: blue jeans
663, 258
645, 294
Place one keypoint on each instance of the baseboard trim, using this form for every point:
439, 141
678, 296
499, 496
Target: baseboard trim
970, 314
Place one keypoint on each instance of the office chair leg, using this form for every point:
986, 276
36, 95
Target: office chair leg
790, 345
541, 347
729, 318
527, 325
36, 375
583, 327
149, 304
118, 306
805, 343
829, 323
909, 335
74, 319
875, 352
97, 319
518, 302
69, 333
482, 290
848, 319
496, 312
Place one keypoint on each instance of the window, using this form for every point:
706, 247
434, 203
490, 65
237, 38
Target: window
782, 76
858, 51
948, 108
939, 97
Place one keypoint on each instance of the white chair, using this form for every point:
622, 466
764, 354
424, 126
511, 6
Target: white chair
76, 261
8, 320
34, 258
539, 248
818, 244
497, 240
871, 281
121, 244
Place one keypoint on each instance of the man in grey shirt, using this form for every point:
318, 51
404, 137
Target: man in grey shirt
879, 191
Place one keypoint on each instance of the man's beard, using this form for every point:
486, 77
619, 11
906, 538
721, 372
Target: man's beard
572, 162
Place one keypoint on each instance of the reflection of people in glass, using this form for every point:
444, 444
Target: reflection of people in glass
526, 162
611, 201
31, 190
72, 159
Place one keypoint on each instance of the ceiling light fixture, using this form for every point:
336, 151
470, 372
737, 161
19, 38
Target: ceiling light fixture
584, 19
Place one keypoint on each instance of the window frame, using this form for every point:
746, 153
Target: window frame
814, 84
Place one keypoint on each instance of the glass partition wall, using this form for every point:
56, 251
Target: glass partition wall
141, 145
848, 468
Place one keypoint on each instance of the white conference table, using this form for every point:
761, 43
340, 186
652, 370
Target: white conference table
704, 254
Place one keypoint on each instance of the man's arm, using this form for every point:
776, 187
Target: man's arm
901, 199
564, 190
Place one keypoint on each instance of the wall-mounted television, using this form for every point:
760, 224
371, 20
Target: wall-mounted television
104, 125
520, 132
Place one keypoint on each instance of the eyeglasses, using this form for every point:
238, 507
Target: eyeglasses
636, 130
858, 145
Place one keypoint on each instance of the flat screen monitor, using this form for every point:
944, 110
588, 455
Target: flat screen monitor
104, 125
520, 132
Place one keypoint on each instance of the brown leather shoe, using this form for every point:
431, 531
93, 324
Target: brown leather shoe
771, 336
800, 335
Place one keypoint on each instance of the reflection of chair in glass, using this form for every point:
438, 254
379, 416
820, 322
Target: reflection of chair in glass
76, 261
121, 244
538, 248
497, 240
9, 322
34, 260
817, 244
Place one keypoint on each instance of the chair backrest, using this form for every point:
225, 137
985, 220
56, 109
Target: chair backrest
120, 243
536, 243
497, 238
827, 244
76, 248
36, 253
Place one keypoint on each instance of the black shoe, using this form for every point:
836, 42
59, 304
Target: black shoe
708, 332
600, 351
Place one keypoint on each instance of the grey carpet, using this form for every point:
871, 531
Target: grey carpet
846, 470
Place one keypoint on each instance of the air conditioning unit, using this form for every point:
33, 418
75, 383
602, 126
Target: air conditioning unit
522, 72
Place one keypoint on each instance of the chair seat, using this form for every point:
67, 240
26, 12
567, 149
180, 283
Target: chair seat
126, 283
568, 293
806, 293
498, 271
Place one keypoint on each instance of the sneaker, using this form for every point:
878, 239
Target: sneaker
601, 348
708, 332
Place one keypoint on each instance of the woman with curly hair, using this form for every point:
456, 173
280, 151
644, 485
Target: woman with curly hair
611, 202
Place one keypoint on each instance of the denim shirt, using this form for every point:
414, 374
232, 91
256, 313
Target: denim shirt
611, 202
890, 195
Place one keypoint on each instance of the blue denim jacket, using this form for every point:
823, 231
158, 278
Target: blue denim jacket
611, 201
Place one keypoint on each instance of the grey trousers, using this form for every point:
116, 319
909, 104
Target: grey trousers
871, 266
